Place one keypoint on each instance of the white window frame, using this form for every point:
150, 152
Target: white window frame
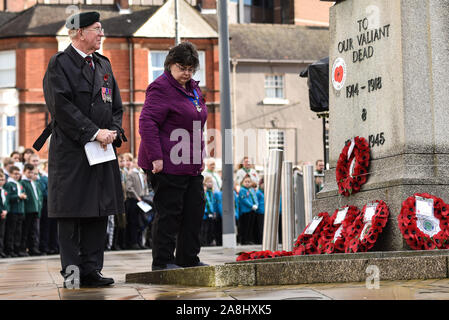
8, 69
200, 74
274, 137
270, 83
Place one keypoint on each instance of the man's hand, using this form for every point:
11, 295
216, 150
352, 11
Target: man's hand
158, 165
4, 213
105, 137
23, 196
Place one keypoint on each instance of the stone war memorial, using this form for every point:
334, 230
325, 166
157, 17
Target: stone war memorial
388, 64
388, 181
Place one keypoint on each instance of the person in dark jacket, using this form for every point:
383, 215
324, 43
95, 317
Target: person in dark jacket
171, 126
85, 105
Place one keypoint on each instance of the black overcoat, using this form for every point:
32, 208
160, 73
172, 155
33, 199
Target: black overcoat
73, 93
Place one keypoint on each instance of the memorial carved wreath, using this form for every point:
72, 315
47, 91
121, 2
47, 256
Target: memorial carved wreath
423, 222
307, 241
334, 234
352, 166
364, 231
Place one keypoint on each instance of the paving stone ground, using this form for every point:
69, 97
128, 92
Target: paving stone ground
38, 278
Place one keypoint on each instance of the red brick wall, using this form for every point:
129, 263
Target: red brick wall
311, 10
33, 54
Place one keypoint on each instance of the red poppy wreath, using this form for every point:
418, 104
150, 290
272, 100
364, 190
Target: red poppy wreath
423, 222
352, 166
253, 255
307, 241
363, 233
334, 234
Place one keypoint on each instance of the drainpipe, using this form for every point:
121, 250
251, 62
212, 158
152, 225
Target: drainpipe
234, 85
131, 95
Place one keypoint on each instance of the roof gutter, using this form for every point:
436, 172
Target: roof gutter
293, 61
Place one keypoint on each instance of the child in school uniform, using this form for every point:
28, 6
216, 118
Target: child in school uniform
15, 216
210, 214
248, 205
3, 212
33, 206
260, 212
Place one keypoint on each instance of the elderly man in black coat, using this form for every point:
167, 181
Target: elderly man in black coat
85, 105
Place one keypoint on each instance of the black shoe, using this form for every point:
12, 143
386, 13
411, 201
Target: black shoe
2, 255
95, 279
22, 254
35, 253
199, 264
169, 266
135, 246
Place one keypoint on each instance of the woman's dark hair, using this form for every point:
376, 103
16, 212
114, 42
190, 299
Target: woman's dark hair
185, 54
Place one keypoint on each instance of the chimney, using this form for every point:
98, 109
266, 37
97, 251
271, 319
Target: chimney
123, 6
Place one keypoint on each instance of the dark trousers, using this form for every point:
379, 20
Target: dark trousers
48, 231
81, 243
13, 232
207, 231
259, 227
247, 225
2, 234
180, 204
218, 231
133, 220
30, 232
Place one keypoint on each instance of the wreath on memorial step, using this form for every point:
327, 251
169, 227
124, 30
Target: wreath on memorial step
334, 234
307, 241
352, 166
253, 255
364, 231
423, 231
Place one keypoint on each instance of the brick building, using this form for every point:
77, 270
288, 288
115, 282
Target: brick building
137, 38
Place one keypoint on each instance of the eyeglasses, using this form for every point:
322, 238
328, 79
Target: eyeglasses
98, 30
184, 69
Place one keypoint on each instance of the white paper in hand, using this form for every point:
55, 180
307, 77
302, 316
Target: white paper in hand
144, 206
96, 154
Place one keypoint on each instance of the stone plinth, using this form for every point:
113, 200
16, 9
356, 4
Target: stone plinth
393, 92
333, 268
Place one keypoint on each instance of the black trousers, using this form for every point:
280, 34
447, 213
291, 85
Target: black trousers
133, 220
48, 231
30, 232
247, 227
13, 232
2, 234
81, 243
179, 201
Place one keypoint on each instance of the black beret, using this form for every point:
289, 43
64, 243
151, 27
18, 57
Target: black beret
82, 19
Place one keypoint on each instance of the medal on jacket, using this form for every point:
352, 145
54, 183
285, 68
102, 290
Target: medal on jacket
106, 94
195, 101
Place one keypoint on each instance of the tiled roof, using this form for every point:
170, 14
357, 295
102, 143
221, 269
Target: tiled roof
278, 42
47, 20
6, 16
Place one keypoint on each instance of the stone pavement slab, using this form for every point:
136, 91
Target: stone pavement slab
38, 278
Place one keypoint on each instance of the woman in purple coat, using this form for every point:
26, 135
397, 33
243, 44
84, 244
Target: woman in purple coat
171, 129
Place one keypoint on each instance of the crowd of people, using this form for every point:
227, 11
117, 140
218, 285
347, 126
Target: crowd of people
26, 229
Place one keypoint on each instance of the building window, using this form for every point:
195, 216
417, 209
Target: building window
8, 134
156, 65
274, 90
276, 139
274, 86
7, 69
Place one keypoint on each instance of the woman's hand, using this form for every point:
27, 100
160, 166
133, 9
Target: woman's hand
158, 165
